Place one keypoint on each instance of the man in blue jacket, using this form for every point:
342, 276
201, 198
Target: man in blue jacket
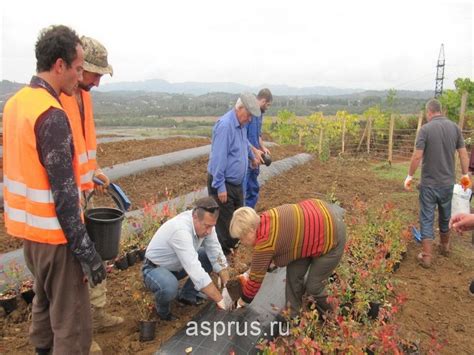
228, 162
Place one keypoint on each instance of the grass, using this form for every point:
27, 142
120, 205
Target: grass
396, 171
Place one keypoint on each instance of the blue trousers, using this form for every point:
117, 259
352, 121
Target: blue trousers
251, 187
164, 283
430, 198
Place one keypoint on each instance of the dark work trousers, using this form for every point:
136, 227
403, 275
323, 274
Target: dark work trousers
235, 200
61, 315
318, 270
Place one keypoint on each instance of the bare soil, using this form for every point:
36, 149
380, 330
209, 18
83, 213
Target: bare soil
109, 154
438, 303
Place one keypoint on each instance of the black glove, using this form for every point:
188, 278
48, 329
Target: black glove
94, 270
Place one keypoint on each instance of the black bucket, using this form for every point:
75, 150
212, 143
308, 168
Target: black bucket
104, 226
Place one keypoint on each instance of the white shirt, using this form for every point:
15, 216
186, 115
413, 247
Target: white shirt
174, 247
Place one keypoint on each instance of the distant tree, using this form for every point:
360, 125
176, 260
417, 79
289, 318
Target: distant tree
391, 100
451, 101
371, 100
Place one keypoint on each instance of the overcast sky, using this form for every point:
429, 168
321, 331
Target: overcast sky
347, 44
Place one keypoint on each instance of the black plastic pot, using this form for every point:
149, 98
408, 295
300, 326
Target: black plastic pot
132, 257
345, 308
333, 278
147, 329
374, 308
28, 295
471, 288
9, 304
396, 266
141, 254
121, 263
410, 348
267, 159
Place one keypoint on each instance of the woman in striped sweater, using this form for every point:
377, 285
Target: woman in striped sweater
309, 235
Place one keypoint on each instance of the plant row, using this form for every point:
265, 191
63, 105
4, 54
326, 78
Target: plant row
362, 292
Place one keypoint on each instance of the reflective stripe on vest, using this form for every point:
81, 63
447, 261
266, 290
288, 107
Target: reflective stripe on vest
48, 223
18, 188
83, 158
86, 179
92, 154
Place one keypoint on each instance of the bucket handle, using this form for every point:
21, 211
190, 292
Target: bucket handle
112, 193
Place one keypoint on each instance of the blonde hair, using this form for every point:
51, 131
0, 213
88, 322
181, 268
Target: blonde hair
244, 220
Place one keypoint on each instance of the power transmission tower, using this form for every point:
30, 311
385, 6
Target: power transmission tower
440, 73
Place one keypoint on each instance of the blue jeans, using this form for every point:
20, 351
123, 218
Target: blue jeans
164, 283
251, 187
430, 197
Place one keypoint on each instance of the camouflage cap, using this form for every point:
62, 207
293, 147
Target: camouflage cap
95, 57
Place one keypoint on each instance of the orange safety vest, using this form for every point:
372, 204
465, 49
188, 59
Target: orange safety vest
28, 201
84, 138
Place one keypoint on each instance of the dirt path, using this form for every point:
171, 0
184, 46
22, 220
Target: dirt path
439, 306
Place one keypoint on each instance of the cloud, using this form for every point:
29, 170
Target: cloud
367, 44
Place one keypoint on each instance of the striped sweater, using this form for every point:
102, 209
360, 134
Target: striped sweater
287, 233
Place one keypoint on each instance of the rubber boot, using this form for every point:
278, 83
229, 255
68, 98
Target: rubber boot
444, 244
95, 349
102, 320
424, 258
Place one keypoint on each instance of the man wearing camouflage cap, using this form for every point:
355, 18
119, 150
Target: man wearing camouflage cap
228, 162
78, 108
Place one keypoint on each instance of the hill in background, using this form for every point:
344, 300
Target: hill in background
152, 103
200, 88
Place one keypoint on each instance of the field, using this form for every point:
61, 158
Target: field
436, 314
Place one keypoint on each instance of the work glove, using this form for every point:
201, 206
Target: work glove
94, 270
466, 182
227, 299
241, 303
407, 183
221, 305
243, 278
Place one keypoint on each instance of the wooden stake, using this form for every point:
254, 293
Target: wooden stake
390, 139
418, 127
343, 134
463, 109
363, 136
320, 142
369, 133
